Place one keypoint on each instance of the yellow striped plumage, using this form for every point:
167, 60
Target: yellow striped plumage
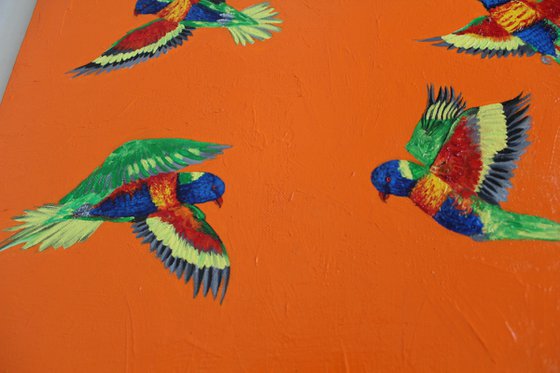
167, 233
149, 49
514, 16
493, 136
468, 41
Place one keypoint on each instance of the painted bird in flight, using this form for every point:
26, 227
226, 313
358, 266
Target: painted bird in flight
176, 19
139, 183
468, 157
513, 27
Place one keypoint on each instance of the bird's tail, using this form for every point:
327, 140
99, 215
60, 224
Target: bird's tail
504, 225
265, 21
49, 226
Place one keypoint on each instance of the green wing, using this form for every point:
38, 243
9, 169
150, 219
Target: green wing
256, 22
435, 125
140, 159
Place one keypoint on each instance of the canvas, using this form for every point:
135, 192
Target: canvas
304, 267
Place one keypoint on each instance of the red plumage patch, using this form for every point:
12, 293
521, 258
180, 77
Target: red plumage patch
549, 9
459, 163
190, 228
154, 183
430, 193
129, 189
163, 190
488, 27
168, 178
145, 36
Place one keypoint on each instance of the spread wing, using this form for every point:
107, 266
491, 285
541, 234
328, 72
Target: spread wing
481, 152
140, 159
434, 126
188, 247
146, 42
485, 37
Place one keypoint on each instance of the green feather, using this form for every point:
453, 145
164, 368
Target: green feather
137, 160
256, 22
425, 145
505, 225
49, 226
436, 125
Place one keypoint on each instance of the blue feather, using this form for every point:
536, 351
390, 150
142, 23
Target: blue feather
126, 205
201, 13
489, 4
541, 37
149, 6
456, 220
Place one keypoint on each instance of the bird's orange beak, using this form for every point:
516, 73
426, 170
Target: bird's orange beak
384, 196
219, 201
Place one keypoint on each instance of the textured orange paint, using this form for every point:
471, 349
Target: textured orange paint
325, 277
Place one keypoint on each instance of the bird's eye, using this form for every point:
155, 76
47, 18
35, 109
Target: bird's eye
388, 179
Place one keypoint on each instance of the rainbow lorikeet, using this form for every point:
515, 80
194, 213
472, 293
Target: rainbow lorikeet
513, 27
468, 157
139, 183
175, 23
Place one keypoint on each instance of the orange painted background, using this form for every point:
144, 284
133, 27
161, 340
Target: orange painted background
325, 277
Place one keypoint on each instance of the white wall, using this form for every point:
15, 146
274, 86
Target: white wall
14, 18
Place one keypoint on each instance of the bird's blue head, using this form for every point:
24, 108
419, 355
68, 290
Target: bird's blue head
395, 177
149, 6
200, 187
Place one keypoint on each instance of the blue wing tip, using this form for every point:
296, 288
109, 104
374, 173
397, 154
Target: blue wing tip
430, 40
